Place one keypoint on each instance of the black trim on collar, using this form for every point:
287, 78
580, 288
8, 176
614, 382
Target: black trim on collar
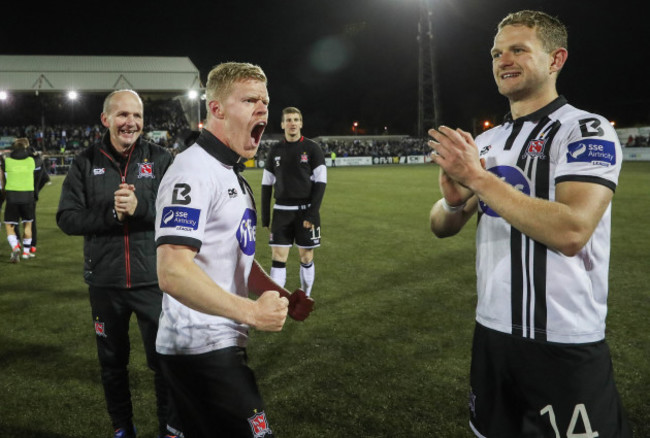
537, 115
215, 147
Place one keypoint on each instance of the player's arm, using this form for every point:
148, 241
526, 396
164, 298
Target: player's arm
186, 282
259, 282
447, 220
565, 224
319, 176
268, 179
451, 212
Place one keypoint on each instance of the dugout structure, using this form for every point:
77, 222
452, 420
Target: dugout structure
151, 76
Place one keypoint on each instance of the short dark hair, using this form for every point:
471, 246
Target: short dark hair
550, 30
291, 110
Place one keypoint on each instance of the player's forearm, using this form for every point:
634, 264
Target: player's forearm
446, 223
563, 226
186, 282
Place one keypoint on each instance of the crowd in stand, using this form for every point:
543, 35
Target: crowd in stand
164, 115
363, 147
638, 141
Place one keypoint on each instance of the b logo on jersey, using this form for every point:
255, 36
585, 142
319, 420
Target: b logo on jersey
181, 218
259, 425
535, 148
511, 175
246, 232
145, 170
591, 150
181, 194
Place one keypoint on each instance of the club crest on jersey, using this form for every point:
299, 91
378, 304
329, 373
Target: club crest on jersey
100, 329
145, 170
259, 425
485, 150
246, 232
535, 148
304, 158
591, 150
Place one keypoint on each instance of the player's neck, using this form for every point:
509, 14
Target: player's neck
523, 107
292, 138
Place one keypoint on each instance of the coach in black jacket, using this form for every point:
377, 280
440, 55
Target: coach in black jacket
109, 196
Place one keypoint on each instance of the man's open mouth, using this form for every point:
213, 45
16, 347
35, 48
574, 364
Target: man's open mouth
256, 133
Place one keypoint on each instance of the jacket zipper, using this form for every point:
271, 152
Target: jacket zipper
125, 226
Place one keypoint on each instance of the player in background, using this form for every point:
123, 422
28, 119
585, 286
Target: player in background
296, 169
542, 183
108, 196
205, 233
18, 172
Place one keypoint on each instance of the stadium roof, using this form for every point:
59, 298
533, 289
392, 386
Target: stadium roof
97, 73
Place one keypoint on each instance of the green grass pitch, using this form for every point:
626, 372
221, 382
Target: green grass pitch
385, 353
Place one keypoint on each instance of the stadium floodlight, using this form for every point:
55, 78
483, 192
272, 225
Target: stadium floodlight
73, 95
3, 95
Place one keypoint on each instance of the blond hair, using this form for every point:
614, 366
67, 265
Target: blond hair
222, 78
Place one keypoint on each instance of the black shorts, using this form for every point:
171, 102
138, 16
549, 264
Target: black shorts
15, 212
526, 388
286, 228
216, 395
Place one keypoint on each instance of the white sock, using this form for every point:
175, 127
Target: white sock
13, 241
307, 274
27, 244
279, 273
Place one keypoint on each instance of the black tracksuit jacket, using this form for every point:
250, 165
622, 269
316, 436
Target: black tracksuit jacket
116, 254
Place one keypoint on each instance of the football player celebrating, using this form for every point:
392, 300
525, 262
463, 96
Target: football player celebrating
540, 364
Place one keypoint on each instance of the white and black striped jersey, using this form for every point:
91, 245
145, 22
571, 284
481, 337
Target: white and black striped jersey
204, 203
297, 173
525, 288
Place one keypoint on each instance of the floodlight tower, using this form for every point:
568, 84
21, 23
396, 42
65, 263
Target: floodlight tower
428, 100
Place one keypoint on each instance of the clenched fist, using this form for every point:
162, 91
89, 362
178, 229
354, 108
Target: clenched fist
270, 311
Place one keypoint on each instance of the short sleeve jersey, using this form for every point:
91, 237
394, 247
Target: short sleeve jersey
292, 168
205, 204
525, 288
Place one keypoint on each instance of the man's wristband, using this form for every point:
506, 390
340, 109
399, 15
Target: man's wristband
452, 208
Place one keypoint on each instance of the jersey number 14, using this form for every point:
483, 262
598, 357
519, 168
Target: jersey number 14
579, 413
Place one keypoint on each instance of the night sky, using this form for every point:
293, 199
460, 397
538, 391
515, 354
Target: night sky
356, 60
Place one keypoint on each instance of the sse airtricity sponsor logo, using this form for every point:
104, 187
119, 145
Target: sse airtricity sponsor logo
181, 218
246, 232
592, 150
511, 175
